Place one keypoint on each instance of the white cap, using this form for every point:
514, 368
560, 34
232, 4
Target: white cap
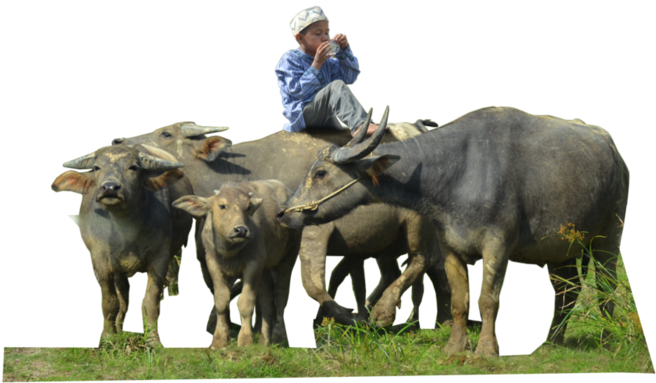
306, 17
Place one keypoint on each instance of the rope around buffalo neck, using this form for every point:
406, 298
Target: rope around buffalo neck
314, 205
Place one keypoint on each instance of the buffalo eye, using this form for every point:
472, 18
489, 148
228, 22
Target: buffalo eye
166, 134
95, 168
134, 168
320, 174
222, 207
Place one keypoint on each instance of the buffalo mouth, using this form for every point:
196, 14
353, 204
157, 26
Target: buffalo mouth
110, 198
237, 238
291, 220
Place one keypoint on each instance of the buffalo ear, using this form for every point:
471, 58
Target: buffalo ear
211, 147
193, 204
74, 181
375, 166
161, 181
255, 204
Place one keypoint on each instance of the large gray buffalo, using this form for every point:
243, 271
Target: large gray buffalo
498, 183
212, 161
128, 225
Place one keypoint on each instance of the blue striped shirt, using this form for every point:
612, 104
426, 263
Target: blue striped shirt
299, 81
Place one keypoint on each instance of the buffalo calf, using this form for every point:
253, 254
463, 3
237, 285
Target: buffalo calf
242, 240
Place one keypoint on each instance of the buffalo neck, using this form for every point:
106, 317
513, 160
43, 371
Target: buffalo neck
423, 177
129, 222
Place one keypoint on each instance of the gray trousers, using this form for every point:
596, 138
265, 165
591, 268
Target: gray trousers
335, 100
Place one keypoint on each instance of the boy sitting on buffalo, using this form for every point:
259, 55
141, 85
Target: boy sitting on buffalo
313, 78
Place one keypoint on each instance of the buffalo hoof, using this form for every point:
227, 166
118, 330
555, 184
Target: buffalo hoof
361, 317
154, 341
458, 341
341, 314
219, 344
264, 341
383, 315
279, 335
246, 339
487, 348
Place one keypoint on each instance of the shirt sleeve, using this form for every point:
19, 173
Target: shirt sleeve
347, 68
295, 80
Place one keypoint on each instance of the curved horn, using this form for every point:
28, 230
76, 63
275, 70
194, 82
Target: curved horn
362, 132
84, 162
346, 155
193, 130
153, 163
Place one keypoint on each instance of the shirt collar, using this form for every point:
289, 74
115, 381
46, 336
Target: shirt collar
304, 56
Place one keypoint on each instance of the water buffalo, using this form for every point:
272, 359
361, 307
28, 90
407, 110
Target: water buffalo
242, 239
173, 273
127, 223
212, 161
497, 183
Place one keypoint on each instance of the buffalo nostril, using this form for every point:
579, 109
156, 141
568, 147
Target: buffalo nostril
280, 215
241, 231
117, 141
111, 186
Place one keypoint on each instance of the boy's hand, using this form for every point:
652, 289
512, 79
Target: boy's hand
322, 54
341, 40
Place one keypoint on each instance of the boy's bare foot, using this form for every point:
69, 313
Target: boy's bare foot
370, 130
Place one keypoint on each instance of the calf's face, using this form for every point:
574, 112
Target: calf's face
228, 212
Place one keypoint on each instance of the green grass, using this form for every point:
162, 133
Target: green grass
594, 342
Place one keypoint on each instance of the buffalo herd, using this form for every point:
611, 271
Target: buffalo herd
494, 185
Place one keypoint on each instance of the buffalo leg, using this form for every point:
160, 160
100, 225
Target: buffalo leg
359, 287
173, 273
495, 263
417, 297
313, 273
440, 281
151, 303
235, 290
110, 304
281, 295
246, 305
384, 311
123, 289
562, 277
605, 250
257, 325
207, 277
265, 300
355, 267
221, 303
389, 272
456, 272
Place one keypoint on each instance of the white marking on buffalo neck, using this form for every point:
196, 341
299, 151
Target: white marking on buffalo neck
179, 148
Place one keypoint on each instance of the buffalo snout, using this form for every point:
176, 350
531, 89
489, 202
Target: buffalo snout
110, 193
111, 187
239, 232
292, 220
118, 141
